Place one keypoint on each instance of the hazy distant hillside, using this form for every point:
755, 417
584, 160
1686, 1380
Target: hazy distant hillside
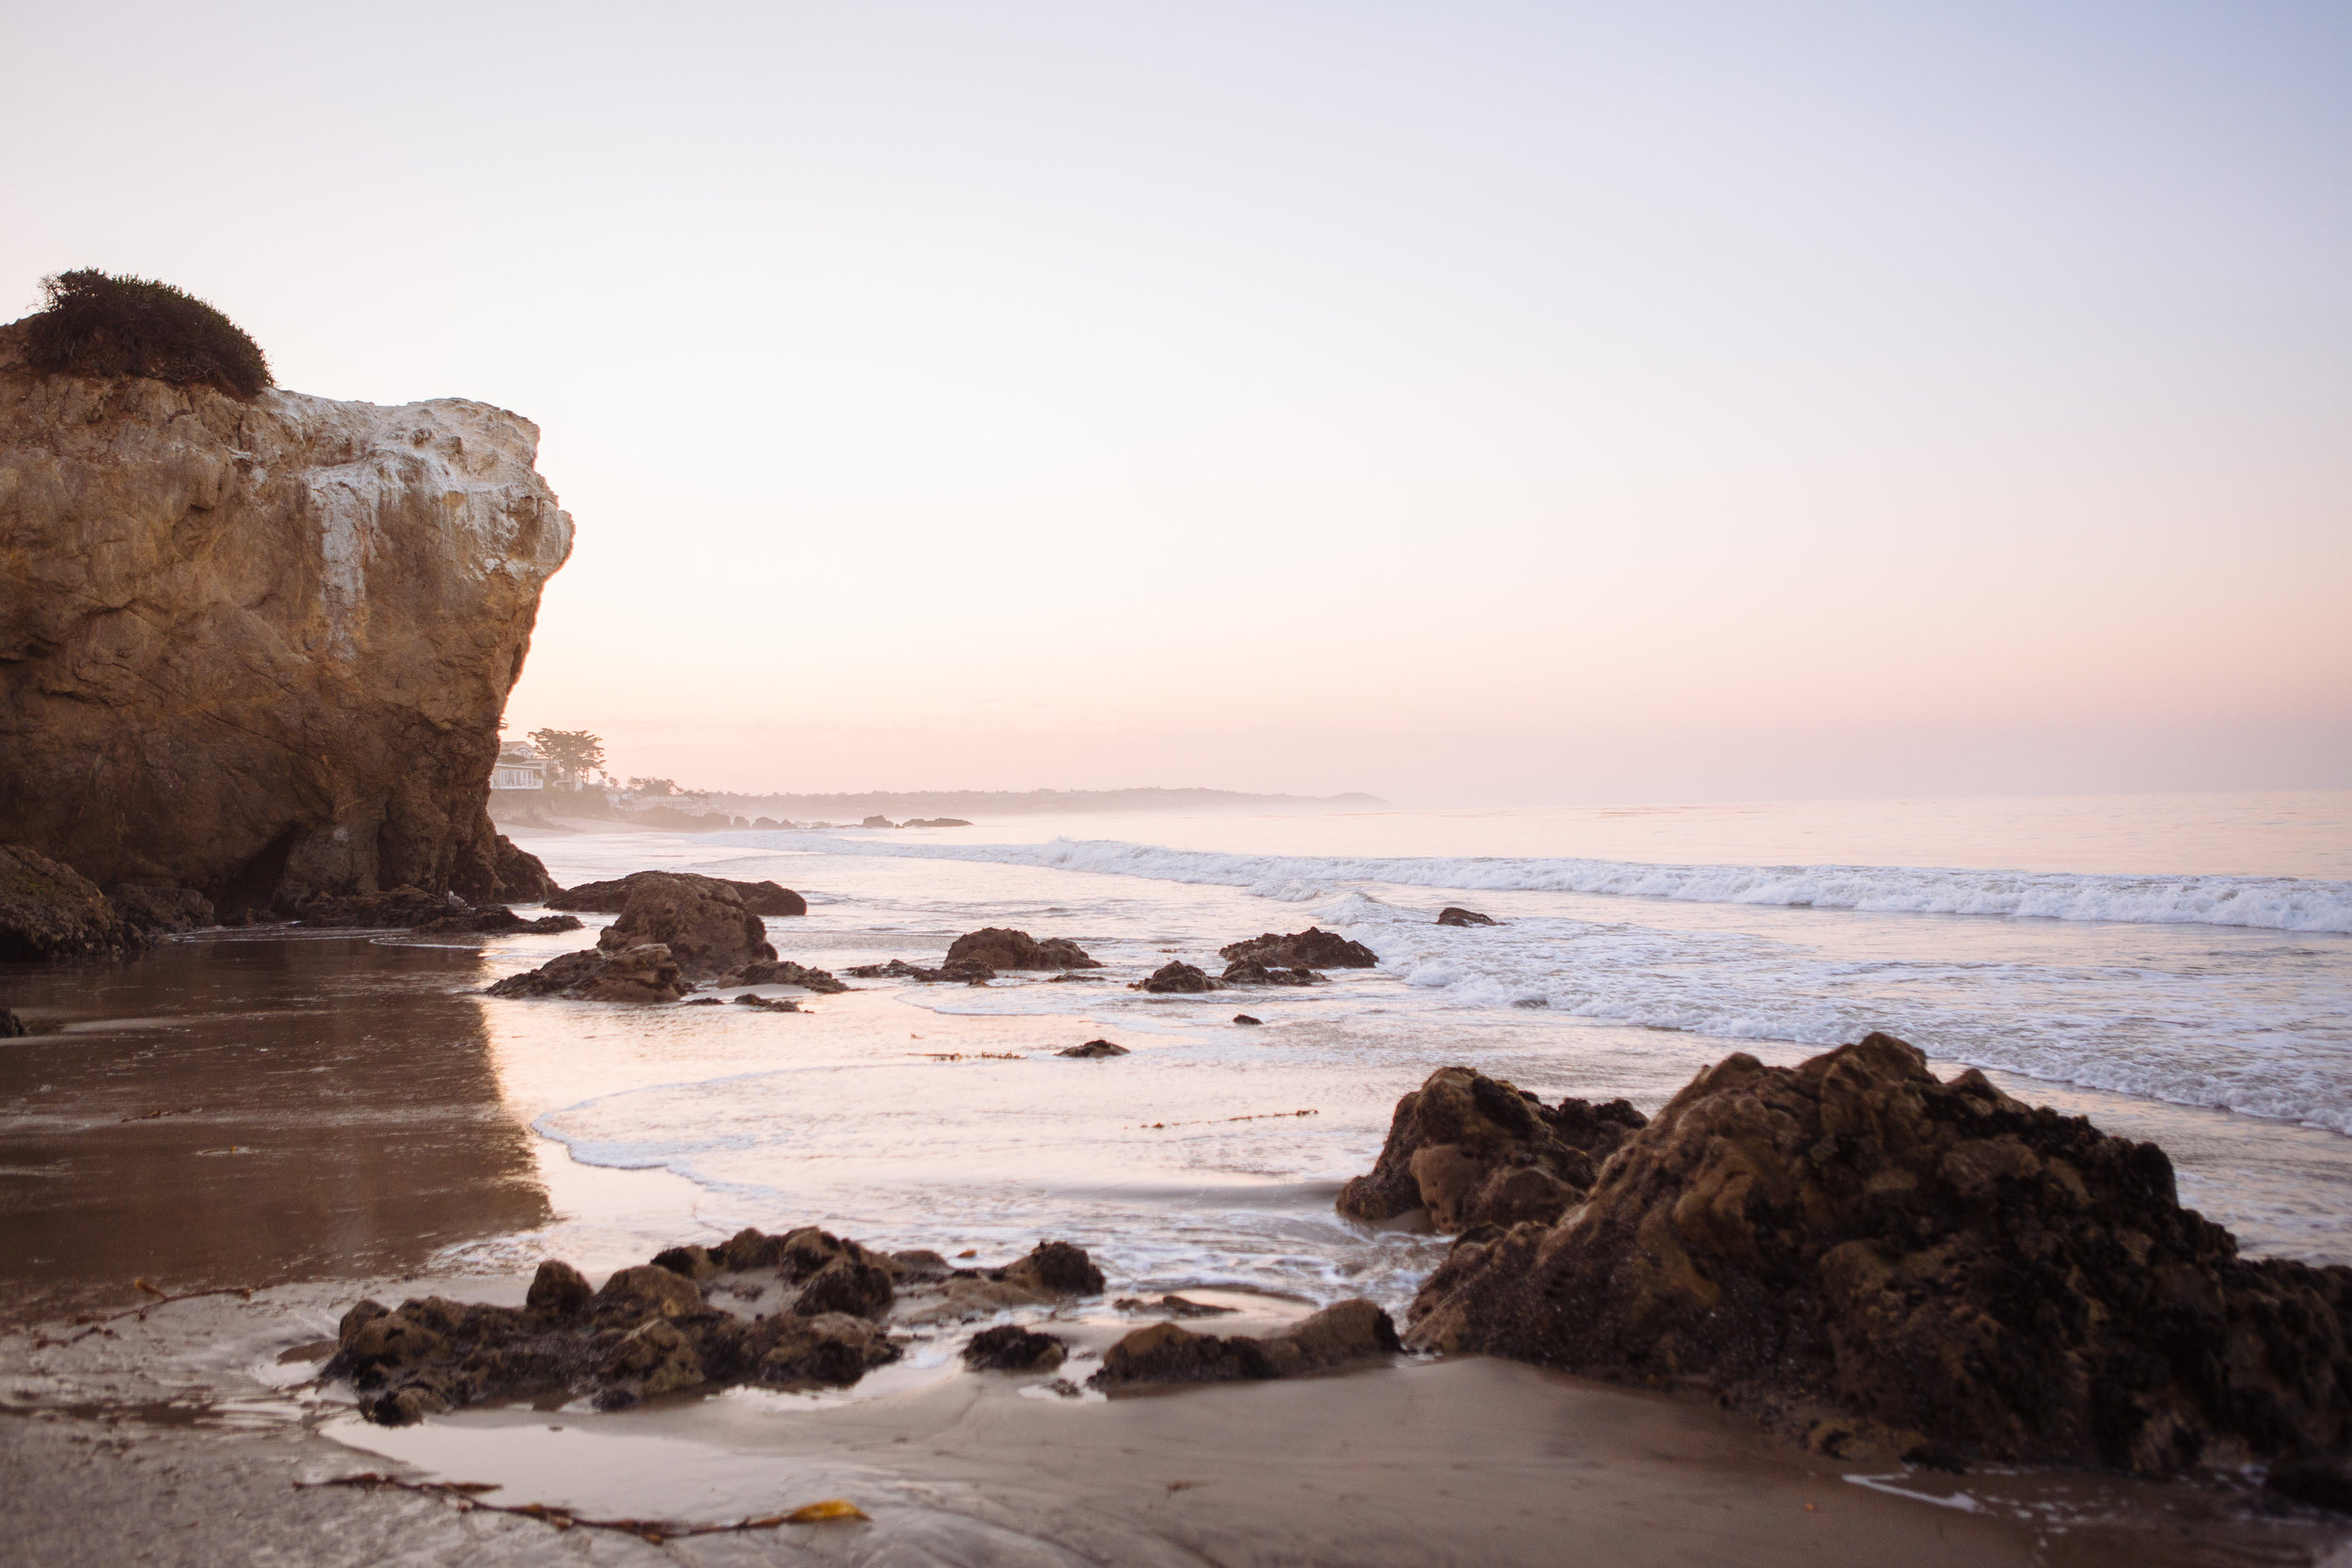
1005, 803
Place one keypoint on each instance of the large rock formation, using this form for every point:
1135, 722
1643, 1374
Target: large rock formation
1854, 1250
1477, 1151
259, 649
701, 920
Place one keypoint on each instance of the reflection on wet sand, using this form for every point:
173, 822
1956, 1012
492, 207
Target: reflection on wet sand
247, 1111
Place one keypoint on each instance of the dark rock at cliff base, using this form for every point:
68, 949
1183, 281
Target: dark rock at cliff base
760, 898
1477, 1151
1453, 915
1312, 948
11, 1026
1094, 1048
497, 871
784, 971
393, 909
500, 921
1010, 1348
1177, 977
2318, 1480
50, 911
1249, 971
1946, 1268
701, 920
1162, 1354
647, 974
160, 911
1001, 948
260, 647
1245, 1018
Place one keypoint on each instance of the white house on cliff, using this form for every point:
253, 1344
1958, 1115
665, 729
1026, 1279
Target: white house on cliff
520, 766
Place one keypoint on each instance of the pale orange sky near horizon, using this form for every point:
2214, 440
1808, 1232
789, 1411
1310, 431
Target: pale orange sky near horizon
1500, 405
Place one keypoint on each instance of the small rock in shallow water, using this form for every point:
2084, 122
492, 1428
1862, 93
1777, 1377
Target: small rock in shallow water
1245, 1018
768, 1004
1312, 948
1094, 1048
1001, 947
1450, 915
1177, 977
1351, 1331
1249, 971
1173, 1307
1010, 1348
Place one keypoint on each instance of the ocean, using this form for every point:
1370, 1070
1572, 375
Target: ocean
2177, 968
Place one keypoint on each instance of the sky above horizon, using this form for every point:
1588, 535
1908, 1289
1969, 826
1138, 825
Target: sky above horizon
1481, 404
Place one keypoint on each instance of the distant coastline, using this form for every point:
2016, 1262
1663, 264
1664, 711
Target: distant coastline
1030, 803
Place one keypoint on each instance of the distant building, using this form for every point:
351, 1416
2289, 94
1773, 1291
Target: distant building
520, 766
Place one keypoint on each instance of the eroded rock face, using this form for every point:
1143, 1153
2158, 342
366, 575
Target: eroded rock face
1476, 1150
1933, 1265
1000, 947
1351, 1331
761, 899
1312, 948
260, 649
701, 920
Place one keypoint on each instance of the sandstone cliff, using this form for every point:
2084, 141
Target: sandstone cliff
260, 648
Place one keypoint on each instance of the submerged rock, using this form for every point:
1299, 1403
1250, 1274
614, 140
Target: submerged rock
258, 648
1312, 948
1000, 947
1010, 1348
1478, 1150
1094, 1048
970, 972
1163, 1353
1852, 1240
1454, 915
701, 920
784, 971
1178, 977
50, 911
499, 921
611, 897
645, 973
1249, 971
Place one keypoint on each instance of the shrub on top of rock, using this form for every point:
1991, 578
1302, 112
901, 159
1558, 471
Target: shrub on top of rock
101, 323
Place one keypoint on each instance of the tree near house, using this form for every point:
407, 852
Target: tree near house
570, 753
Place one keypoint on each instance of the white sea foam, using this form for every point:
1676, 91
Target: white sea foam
2267, 903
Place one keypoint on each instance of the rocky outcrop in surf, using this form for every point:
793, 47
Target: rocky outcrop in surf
1860, 1252
259, 648
766, 900
1000, 947
798, 1311
1474, 1150
1312, 948
647, 974
1178, 978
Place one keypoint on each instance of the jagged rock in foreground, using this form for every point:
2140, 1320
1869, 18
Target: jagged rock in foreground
1476, 1150
1000, 947
803, 1309
1851, 1249
48, 910
1312, 948
1351, 1331
647, 974
259, 648
761, 899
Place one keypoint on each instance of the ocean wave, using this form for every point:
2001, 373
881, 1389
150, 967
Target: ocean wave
2265, 903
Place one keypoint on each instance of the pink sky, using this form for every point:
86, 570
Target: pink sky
1484, 405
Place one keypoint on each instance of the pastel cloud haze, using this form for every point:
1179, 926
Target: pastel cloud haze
1479, 403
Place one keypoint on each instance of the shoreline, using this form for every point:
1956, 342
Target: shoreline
167, 1442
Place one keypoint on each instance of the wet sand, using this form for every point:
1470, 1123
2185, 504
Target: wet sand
168, 1443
